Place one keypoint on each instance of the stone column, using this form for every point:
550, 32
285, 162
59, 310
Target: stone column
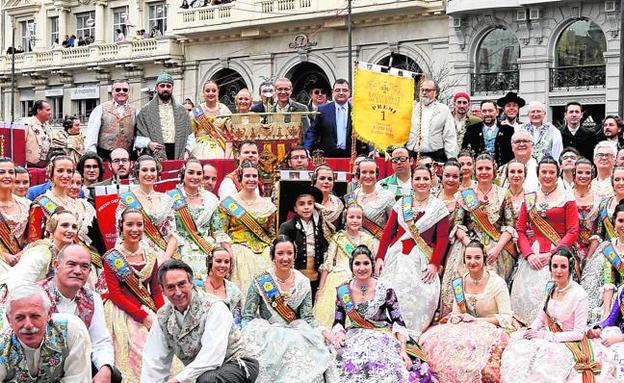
62, 23
100, 34
191, 85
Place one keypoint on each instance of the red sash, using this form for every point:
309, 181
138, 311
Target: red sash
6, 237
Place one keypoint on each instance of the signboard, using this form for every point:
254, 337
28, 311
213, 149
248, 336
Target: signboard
85, 92
54, 92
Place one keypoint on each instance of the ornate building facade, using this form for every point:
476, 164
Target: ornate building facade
238, 44
550, 51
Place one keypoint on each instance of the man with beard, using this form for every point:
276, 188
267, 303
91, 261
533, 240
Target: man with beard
575, 135
111, 124
612, 131
461, 103
120, 166
433, 133
36, 337
163, 126
489, 136
511, 105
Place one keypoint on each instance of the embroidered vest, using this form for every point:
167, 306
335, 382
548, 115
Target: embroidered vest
186, 340
84, 301
54, 351
116, 131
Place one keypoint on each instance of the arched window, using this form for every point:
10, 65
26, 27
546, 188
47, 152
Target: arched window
498, 52
400, 61
230, 82
582, 43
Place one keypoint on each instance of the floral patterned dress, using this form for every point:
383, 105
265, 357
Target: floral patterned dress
206, 145
614, 325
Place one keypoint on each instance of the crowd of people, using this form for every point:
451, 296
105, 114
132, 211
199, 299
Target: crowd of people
494, 251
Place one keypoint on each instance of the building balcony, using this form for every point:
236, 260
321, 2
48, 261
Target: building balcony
578, 77
94, 55
494, 82
467, 6
252, 14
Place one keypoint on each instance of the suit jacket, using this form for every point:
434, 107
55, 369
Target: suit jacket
323, 133
293, 106
473, 140
294, 230
584, 140
148, 125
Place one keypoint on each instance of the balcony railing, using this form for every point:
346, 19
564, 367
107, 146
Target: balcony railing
578, 77
494, 82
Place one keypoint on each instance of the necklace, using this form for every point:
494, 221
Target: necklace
564, 289
518, 193
148, 196
129, 253
477, 280
247, 202
287, 280
192, 195
215, 288
485, 194
366, 196
579, 195
547, 194
8, 205
363, 288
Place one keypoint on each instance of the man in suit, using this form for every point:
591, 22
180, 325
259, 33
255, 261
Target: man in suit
285, 104
575, 135
331, 131
163, 126
489, 136
318, 97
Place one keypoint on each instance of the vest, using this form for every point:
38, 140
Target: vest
186, 340
84, 301
54, 351
116, 131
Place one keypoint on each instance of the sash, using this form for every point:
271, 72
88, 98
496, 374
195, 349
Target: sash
540, 222
582, 351
205, 123
606, 222
367, 224
7, 239
458, 293
408, 217
614, 258
479, 216
235, 210
118, 264
181, 207
149, 228
48, 206
346, 246
96, 258
41, 208
272, 297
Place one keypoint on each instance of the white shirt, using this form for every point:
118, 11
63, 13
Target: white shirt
531, 183
437, 131
95, 123
157, 356
76, 367
228, 189
102, 351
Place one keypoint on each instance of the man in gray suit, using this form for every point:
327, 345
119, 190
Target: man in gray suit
285, 104
163, 126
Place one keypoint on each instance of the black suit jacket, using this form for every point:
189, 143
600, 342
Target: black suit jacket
473, 140
584, 140
294, 230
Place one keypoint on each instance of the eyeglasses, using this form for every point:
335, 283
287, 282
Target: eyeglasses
603, 155
397, 160
120, 90
569, 157
317, 92
120, 160
519, 142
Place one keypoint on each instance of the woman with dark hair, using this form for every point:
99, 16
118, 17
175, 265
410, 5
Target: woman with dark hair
249, 220
588, 204
278, 325
134, 295
156, 207
485, 213
466, 161
515, 174
68, 141
555, 348
13, 217
481, 306
548, 219
412, 250
211, 138
331, 206
451, 182
372, 345
194, 208
219, 266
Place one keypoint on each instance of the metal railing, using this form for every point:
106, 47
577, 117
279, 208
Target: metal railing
494, 82
576, 77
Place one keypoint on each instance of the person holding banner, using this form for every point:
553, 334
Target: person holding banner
373, 347
376, 201
134, 295
194, 207
13, 217
555, 347
411, 250
157, 209
249, 220
278, 325
485, 213
211, 138
481, 306
548, 219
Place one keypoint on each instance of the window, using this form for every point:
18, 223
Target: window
54, 31
120, 16
85, 24
85, 107
498, 52
28, 29
26, 107
157, 21
56, 104
582, 44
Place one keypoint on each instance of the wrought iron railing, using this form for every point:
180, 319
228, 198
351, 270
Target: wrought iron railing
494, 82
575, 77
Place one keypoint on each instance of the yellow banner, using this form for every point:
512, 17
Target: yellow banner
382, 108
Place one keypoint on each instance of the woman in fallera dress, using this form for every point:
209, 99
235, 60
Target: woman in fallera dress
469, 346
278, 325
212, 139
555, 348
412, 249
219, 266
13, 217
157, 209
451, 181
548, 219
610, 332
515, 176
331, 207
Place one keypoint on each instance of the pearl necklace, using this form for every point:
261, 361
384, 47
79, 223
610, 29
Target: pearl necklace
563, 290
287, 280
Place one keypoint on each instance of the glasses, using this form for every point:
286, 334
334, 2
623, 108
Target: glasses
317, 92
120, 160
120, 90
569, 157
520, 142
604, 155
397, 160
